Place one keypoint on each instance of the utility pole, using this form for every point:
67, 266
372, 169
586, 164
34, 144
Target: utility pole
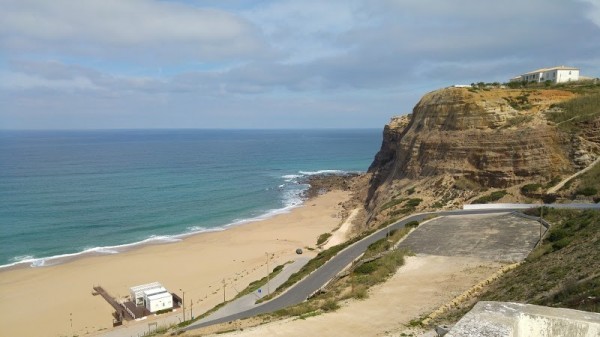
541, 222
191, 309
268, 272
183, 303
224, 285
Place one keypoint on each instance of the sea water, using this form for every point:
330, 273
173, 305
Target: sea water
66, 193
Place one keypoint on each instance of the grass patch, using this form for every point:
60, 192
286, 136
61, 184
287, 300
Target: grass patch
494, 196
255, 285
392, 203
530, 189
520, 102
322, 238
518, 120
587, 191
574, 111
311, 266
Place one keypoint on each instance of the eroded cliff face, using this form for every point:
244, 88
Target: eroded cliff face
494, 138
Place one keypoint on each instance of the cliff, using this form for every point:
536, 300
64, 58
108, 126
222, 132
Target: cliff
460, 142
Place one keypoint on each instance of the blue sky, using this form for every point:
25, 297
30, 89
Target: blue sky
97, 64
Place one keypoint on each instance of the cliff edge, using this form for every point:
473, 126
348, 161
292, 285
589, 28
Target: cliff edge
461, 142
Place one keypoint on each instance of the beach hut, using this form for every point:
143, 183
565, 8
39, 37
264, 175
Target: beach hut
153, 296
159, 301
137, 292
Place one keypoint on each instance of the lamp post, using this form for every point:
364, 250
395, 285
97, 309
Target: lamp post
183, 303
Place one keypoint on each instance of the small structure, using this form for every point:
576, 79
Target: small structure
160, 301
558, 74
153, 296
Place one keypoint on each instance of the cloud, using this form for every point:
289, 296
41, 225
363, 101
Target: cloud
146, 30
249, 61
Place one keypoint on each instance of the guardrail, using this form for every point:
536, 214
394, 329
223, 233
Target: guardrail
527, 206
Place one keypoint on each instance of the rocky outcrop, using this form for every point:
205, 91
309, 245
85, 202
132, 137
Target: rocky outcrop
495, 138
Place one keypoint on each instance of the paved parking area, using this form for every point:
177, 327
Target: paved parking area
502, 237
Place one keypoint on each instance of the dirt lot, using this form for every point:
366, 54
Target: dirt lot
500, 237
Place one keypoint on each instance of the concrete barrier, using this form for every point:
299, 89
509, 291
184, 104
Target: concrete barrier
527, 206
499, 319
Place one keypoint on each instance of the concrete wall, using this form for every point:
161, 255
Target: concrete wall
505, 319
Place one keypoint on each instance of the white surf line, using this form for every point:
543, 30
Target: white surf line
339, 236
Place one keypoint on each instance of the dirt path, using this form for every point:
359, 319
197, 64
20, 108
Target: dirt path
419, 287
558, 186
339, 236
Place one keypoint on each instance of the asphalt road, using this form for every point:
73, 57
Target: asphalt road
309, 285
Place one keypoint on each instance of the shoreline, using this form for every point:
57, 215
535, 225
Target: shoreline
317, 182
198, 264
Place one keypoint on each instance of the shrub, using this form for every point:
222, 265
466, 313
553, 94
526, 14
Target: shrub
412, 224
560, 244
530, 188
365, 268
413, 202
549, 198
330, 305
392, 203
494, 196
587, 191
557, 234
322, 238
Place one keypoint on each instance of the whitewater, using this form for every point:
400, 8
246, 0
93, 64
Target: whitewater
64, 194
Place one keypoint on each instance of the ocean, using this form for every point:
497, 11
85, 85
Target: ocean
67, 193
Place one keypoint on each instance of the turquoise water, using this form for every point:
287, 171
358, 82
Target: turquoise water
64, 193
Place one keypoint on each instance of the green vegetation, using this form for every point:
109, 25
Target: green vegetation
530, 189
520, 102
465, 184
255, 285
392, 203
577, 110
311, 266
380, 263
412, 224
409, 206
518, 120
587, 191
322, 238
414, 202
494, 196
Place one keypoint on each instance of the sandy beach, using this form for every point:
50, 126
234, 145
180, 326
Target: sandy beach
58, 301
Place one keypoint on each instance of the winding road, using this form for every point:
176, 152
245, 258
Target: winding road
309, 285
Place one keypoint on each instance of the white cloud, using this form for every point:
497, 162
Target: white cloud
307, 30
594, 13
104, 27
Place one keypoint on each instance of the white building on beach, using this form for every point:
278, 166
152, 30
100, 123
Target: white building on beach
153, 296
555, 75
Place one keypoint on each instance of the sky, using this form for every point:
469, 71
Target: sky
103, 64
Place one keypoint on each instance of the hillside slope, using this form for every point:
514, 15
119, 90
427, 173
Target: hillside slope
464, 143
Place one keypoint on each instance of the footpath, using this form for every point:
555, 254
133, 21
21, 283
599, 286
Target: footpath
141, 328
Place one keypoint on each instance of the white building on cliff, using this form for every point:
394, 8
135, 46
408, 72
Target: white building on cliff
555, 75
